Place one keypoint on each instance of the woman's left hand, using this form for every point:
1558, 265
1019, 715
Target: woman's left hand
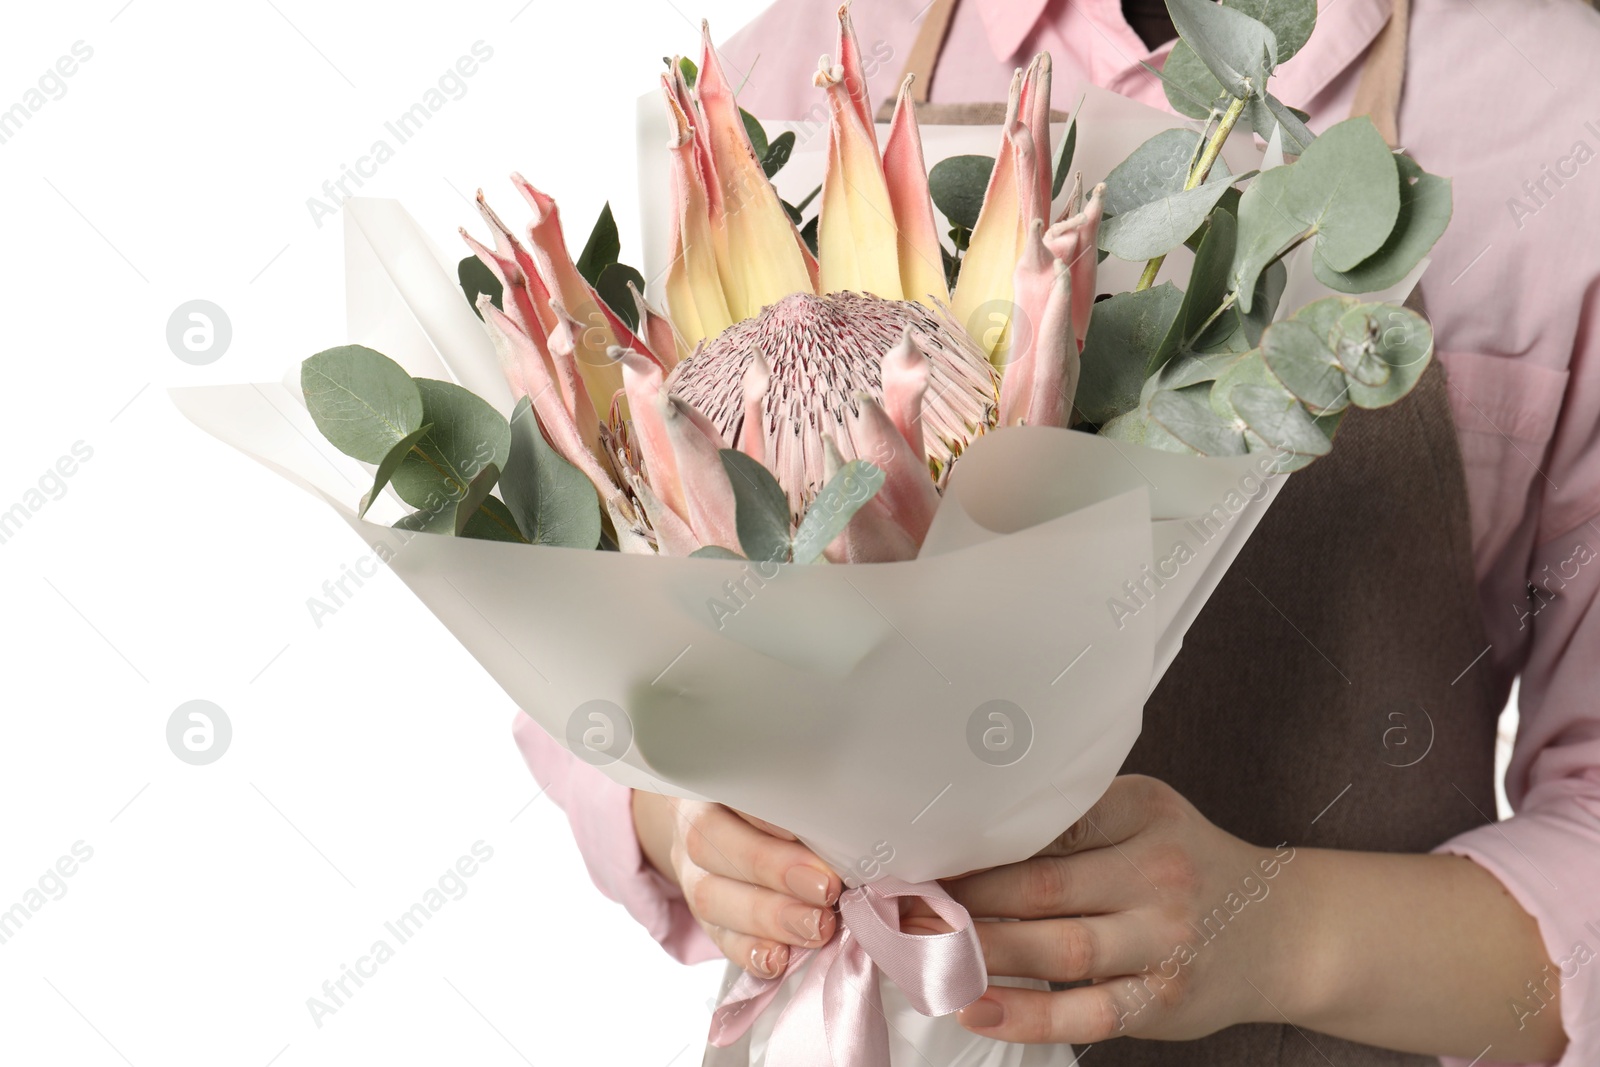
1178, 923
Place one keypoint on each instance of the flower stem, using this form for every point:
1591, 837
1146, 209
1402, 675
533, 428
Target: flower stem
1198, 174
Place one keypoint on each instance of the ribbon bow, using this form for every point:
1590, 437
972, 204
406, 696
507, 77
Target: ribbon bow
836, 1016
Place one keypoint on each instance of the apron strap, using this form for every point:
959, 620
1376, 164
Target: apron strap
924, 54
1383, 76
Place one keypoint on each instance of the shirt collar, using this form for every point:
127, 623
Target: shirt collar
1344, 29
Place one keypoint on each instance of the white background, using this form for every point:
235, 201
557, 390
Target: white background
371, 752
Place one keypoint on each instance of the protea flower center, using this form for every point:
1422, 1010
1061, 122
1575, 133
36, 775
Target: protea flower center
822, 351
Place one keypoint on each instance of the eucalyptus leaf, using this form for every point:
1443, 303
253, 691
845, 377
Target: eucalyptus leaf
363, 402
1156, 228
1186, 415
1425, 207
1306, 366
478, 491
492, 521
612, 287
1069, 144
467, 434
1291, 21
1157, 168
1384, 350
1346, 187
1125, 334
957, 185
550, 501
690, 71
1238, 51
1189, 370
1267, 227
757, 135
1279, 419
714, 552
1267, 111
1208, 287
1190, 86
388, 465
835, 505
761, 508
475, 278
602, 248
1269, 288
778, 153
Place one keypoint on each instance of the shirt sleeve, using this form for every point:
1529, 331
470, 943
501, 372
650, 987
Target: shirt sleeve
1548, 853
600, 812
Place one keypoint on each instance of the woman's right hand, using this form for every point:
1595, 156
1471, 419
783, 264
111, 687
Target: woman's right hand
754, 889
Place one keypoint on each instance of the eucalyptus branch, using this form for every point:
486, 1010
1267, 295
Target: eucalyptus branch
1198, 174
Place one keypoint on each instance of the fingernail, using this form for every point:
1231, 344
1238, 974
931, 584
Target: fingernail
982, 1014
809, 884
805, 923
768, 961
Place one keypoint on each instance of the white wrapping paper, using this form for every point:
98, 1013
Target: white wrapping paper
917, 719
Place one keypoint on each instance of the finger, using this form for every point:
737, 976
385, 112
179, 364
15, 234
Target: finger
765, 827
750, 909
1066, 950
756, 955
1099, 882
1126, 808
1080, 1016
722, 843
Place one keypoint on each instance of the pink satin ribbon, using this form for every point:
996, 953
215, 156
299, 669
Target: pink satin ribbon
836, 1016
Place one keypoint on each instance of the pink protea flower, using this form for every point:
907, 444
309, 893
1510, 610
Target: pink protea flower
802, 362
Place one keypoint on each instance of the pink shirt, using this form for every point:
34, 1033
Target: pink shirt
1502, 99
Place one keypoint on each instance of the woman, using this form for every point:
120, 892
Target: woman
1331, 719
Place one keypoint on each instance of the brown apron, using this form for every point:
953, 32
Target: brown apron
1329, 695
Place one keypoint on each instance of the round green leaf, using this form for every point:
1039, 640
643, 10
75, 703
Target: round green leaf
1239, 51
362, 401
1156, 228
1279, 419
1347, 187
1291, 21
957, 185
1306, 366
1384, 349
1155, 169
1125, 334
467, 434
550, 501
1187, 416
1191, 88
1425, 207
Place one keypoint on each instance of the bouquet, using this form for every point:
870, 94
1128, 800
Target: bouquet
879, 525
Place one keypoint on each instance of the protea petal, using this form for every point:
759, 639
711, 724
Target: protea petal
857, 245
1033, 111
515, 348
565, 357
694, 283
533, 291
630, 530
657, 331
1075, 241
642, 378
753, 425
983, 288
1042, 378
853, 76
908, 491
762, 264
906, 175
906, 371
673, 536
708, 494
595, 331
872, 536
